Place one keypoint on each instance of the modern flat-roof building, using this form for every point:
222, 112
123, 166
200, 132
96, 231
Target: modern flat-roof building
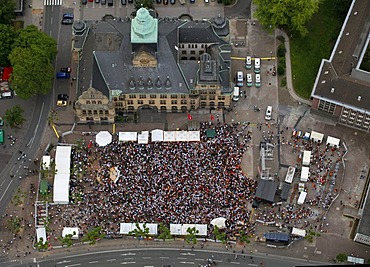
342, 88
169, 65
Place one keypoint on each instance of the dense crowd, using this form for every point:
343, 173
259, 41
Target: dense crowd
169, 182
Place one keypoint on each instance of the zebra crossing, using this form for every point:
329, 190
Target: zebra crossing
53, 2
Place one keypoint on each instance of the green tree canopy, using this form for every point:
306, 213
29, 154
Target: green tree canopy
144, 3
14, 116
165, 232
341, 257
93, 235
138, 232
7, 8
40, 43
291, 15
7, 37
191, 235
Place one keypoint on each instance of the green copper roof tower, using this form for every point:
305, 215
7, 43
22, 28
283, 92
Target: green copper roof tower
144, 28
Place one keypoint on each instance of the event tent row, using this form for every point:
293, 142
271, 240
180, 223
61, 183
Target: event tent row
159, 136
175, 229
62, 175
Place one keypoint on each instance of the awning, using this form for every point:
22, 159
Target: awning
157, 135
317, 137
332, 141
127, 136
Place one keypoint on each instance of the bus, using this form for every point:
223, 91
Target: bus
1, 136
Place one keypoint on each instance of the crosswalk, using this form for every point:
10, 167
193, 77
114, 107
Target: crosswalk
53, 2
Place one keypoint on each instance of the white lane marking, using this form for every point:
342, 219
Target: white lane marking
187, 262
179, 258
6, 189
91, 262
51, 20
187, 254
111, 260
217, 260
147, 258
148, 266
77, 264
128, 259
234, 262
251, 264
128, 254
164, 257
128, 262
199, 259
61, 262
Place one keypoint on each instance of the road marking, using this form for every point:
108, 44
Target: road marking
111, 260
200, 259
37, 126
148, 266
164, 257
6, 189
234, 262
91, 262
61, 262
128, 254
251, 264
187, 262
147, 257
128, 262
128, 259
77, 264
187, 254
179, 258
217, 260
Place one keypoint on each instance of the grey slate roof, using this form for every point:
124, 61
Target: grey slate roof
337, 80
198, 32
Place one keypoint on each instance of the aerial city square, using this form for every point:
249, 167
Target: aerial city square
184, 132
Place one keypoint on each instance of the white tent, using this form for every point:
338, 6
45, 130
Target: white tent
301, 198
304, 174
290, 175
157, 135
219, 222
61, 179
143, 138
127, 136
103, 138
317, 137
169, 136
182, 136
306, 158
298, 232
45, 162
70, 231
332, 141
193, 135
181, 229
41, 233
125, 228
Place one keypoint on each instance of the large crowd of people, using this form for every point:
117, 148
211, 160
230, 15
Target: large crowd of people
169, 182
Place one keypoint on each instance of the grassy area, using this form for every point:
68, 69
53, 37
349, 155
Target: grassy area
307, 52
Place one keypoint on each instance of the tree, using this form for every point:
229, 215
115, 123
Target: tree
7, 8
7, 37
191, 235
93, 235
165, 232
226, 2
341, 257
310, 235
291, 15
14, 116
221, 236
67, 239
148, 4
14, 224
41, 245
244, 237
138, 232
32, 73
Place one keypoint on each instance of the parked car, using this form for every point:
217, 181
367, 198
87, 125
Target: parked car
63, 97
84, 2
103, 2
67, 21
258, 80
63, 75
165, 2
66, 69
130, 1
159, 1
97, 1
268, 113
7, 94
1, 121
68, 16
249, 80
192, 1
61, 103
248, 62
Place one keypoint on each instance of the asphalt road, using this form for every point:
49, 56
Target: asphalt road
241, 9
157, 257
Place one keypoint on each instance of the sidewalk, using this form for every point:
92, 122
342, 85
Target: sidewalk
289, 70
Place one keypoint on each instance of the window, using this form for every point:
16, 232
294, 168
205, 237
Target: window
132, 96
212, 97
151, 102
183, 102
163, 108
140, 102
142, 96
174, 96
130, 102
106, 112
95, 112
84, 112
163, 102
192, 52
174, 102
114, 99
183, 52
94, 102
99, 102
326, 106
220, 97
174, 107
88, 102
183, 96
203, 97
163, 96
153, 96
192, 102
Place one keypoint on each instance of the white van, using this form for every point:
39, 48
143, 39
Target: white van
248, 62
236, 93
249, 80
257, 65
239, 79
258, 80
268, 113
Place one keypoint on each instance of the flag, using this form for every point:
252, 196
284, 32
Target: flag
190, 117
212, 117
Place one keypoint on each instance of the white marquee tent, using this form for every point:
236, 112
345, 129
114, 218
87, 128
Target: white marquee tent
157, 135
306, 158
332, 141
70, 231
61, 179
298, 232
317, 137
304, 174
103, 138
181, 136
125, 228
143, 138
41, 233
45, 162
301, 198
181, 229
127, 136
169, 136
193, 135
